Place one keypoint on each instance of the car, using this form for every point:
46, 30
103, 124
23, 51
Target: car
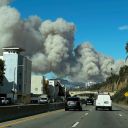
3, 101
43, 100
73, 103
89, 101
83, 101
103, 101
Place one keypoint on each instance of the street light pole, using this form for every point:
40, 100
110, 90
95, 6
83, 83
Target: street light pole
14, 90
111, 79
65, 91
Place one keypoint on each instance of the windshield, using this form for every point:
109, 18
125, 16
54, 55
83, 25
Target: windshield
43, 98
73, 99
2, 98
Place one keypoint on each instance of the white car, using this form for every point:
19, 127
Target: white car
43, 100
3, 101
103, 101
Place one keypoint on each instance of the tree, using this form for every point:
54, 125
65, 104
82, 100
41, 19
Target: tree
2, 69
126, 48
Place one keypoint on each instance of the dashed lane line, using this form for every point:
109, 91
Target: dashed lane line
119, 114
74, 125
86, 114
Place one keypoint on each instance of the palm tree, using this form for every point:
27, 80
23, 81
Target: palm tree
126, 48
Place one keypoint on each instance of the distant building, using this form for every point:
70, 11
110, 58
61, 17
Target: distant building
17, 82
36, 84
55, 90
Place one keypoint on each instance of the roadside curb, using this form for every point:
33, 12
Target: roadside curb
19, 111
125, 107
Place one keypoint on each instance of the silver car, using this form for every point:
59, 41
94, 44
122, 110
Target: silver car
43, 100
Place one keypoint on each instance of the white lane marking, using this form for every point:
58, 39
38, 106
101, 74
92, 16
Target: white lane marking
86, 114
74, 125
120, 115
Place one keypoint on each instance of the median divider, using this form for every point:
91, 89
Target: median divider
18, 111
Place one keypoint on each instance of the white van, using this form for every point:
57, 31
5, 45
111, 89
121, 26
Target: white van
103, 101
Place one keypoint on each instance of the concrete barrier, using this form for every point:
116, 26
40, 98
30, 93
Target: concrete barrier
19, 111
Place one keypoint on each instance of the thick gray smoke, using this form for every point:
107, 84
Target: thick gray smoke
50, 45
93, 66
4, 2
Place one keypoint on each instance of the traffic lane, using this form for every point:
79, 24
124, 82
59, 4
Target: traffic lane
116, 118
56, 119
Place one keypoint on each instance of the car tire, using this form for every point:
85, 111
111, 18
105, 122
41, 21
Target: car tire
110, 109
80, 109
66, 109
96, 108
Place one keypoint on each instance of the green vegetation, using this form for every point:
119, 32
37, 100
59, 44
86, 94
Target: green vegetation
118, 83
119, 96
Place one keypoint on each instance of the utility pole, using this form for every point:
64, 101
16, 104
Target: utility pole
111, 79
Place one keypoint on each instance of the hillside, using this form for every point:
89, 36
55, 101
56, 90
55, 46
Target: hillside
117, 84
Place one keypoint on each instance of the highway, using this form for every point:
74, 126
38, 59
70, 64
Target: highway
88, 118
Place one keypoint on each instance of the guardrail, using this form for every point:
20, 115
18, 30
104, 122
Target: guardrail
19, 111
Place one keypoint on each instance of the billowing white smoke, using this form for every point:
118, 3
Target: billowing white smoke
50, 46
9, 18
4, 2
93, 66
57, 44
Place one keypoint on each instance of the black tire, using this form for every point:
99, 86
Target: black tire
96, 108
110, 109
66, 109
80, 109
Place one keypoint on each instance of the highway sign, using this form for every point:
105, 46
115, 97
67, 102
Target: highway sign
126, 94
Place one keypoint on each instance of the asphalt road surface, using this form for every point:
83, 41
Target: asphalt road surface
88, 118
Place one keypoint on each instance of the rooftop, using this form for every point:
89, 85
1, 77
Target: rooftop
14, 49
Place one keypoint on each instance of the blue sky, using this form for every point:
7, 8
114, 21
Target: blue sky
102, 22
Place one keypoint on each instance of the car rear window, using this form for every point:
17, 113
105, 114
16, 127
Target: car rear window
89, 99
2, 98
104, 96
73, 99
43, 98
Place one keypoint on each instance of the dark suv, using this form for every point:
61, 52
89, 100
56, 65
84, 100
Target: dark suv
90, 101
73, 103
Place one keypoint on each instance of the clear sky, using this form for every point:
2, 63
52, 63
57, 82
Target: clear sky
102, 22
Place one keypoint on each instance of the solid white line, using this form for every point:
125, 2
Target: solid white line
74, 125
86, 114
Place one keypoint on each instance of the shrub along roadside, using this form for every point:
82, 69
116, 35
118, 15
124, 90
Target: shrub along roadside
119, 96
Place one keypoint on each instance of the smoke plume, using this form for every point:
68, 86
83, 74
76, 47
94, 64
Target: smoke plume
4, 2
50, 45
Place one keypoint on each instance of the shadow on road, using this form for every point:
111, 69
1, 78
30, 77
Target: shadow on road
78, 110
116, 110
108, 110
